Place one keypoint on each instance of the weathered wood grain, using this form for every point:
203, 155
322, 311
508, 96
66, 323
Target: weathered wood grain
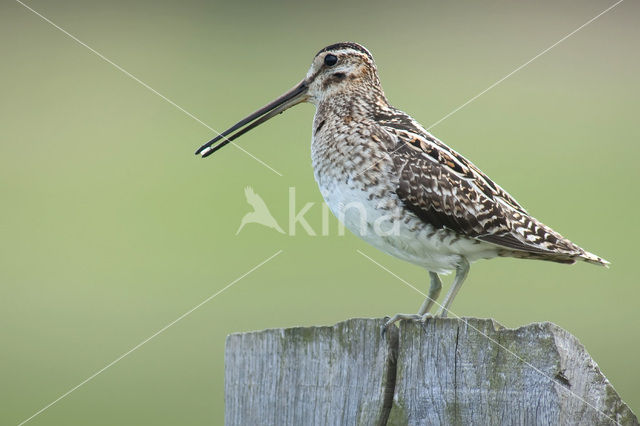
476, 372
445, 372
340, 375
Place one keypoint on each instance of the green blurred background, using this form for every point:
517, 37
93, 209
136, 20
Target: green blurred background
112, 228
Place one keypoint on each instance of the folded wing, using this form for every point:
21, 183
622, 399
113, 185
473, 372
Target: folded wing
447, 191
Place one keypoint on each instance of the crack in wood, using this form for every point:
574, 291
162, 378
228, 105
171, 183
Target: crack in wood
392, 371
455, 376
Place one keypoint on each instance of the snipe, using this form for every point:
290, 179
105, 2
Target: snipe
398, 187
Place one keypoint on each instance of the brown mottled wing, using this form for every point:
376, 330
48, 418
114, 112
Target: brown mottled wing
446, 191
442, 199
409, 132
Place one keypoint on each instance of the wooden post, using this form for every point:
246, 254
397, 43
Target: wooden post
445, 372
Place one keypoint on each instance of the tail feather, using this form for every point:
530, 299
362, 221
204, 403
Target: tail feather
534, 240
556, 256
596, 260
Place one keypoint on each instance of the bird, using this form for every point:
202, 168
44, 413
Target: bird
260, 213
440, 211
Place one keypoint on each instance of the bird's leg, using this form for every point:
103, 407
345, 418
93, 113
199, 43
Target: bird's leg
423, 312
461, 273
434, 292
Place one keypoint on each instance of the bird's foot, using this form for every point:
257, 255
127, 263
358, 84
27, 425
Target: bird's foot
424, 319
398, 317
411, 317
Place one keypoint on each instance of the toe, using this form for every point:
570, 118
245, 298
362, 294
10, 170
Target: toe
426, 317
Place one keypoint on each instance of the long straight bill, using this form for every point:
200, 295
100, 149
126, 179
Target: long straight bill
289, 99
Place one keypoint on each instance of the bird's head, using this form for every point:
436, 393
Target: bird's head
341, 69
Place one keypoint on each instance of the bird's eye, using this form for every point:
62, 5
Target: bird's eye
330, 60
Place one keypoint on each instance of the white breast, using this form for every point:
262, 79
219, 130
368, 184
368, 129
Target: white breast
398, 232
